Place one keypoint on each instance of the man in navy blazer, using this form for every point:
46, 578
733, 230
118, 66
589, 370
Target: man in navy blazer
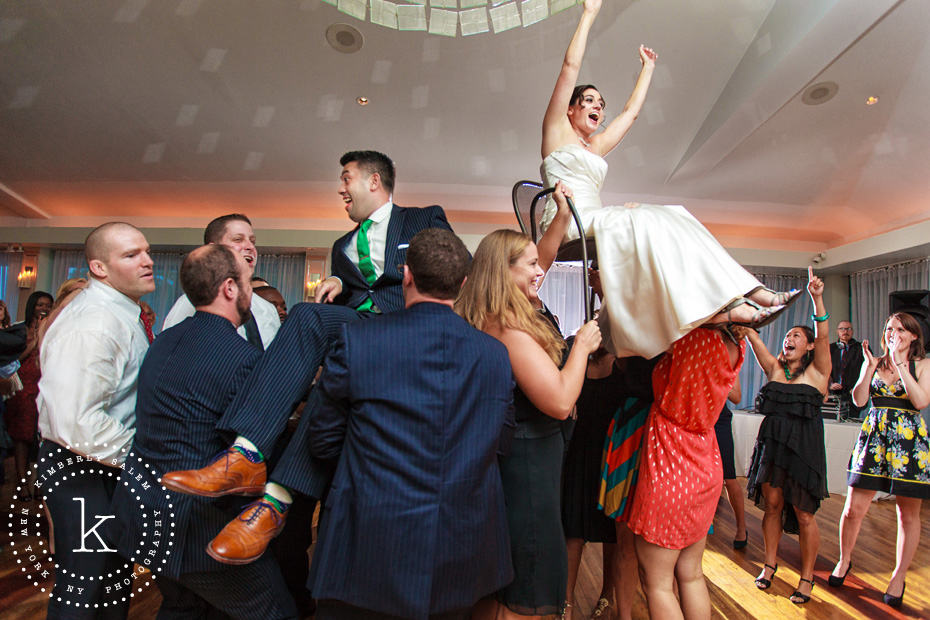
191, 373
414, 406
258, 415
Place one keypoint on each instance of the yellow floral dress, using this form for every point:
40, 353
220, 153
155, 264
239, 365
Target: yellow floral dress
892, 453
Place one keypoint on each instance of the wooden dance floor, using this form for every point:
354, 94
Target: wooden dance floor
729, 573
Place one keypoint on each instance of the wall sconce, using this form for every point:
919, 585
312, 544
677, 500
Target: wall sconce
27, 277
313, 281
819, 258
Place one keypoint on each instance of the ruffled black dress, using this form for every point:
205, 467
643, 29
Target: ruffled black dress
789, 452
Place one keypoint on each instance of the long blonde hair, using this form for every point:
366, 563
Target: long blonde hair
490, 296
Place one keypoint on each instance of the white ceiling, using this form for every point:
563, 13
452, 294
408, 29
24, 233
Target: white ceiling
176, 111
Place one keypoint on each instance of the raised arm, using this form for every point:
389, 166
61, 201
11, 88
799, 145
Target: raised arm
551, 390
917, 388
767, 362
548, 245
860, 393
557, 130
607, 140
822, 363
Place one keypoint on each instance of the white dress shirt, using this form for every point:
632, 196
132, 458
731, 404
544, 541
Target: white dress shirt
377, 238
266, 317
90, 360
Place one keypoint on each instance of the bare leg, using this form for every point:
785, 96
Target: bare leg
771, 525
692, 589
574, 547
628, 568
810, 543
657, 574
735, 496
486, 609
908, 537
855, 509
610, 554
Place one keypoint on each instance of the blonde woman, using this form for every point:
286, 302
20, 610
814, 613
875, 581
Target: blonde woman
498, 298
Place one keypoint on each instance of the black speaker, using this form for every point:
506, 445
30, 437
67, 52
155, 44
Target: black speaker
915, 303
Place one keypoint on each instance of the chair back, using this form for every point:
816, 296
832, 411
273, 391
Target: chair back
523, 195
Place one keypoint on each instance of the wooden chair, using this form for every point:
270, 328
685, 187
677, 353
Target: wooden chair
528, 200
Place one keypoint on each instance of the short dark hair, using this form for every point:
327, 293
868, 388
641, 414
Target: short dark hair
578, 93
215, 230
372, 162
205, 269
438, 262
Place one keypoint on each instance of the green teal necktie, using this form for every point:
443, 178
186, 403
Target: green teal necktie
364, 261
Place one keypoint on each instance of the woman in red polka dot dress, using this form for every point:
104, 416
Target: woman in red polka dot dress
681, 475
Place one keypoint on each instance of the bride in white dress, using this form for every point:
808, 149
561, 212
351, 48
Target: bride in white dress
662, 272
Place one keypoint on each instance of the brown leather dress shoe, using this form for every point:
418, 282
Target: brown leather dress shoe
230, 474
245, 538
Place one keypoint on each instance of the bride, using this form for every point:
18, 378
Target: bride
662, 272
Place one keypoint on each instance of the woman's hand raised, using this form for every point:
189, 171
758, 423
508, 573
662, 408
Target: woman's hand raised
648, 56
592, 6
814, 283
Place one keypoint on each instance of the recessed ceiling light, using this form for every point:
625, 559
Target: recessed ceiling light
361, 100
871, 100
818, 93
344, 38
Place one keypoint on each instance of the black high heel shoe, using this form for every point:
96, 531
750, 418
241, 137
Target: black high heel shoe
741, 544
894, 601
802, 598
761, 582
837, 582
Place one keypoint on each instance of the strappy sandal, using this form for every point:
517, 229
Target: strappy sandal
565, 611
760, 318
765, 583
725, 330
601, 610
802, 598
784, 298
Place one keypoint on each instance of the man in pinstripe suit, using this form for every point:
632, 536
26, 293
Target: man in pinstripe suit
190, 374
258, 415
414, 407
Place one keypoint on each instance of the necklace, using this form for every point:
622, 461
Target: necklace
788, 374
583, 141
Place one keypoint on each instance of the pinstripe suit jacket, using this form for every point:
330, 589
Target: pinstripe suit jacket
414, 405
188, 378
386, 292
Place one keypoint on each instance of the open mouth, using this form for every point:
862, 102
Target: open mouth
249, 258
594, 116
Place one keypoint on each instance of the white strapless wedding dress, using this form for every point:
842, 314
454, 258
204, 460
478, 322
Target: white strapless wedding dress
662, 272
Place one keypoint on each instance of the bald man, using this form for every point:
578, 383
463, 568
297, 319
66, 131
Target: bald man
87, 398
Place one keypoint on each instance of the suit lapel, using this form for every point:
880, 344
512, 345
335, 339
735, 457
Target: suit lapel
395, 227
339, 254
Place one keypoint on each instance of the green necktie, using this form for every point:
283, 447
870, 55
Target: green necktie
364, 261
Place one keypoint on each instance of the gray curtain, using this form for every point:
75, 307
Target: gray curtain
869, 290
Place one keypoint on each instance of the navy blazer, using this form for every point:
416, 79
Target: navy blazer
189, 376
414, 405
386, 292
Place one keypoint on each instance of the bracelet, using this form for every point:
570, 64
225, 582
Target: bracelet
821, 319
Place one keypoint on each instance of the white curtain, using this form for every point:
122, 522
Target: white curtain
562, 292
869, 290
10, 264
285, 272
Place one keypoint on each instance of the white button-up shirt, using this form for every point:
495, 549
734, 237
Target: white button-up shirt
90, 361
377, 238
266, 317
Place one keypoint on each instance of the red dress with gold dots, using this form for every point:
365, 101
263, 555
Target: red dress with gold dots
680, 474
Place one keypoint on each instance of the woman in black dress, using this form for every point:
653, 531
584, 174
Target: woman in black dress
789, 462
724, 431
497, 298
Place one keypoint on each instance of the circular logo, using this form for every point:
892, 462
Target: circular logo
124, 538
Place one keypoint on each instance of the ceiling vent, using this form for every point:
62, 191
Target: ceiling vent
821, 92
344, 38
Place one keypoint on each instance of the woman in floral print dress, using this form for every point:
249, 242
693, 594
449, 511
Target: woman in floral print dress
892, 453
